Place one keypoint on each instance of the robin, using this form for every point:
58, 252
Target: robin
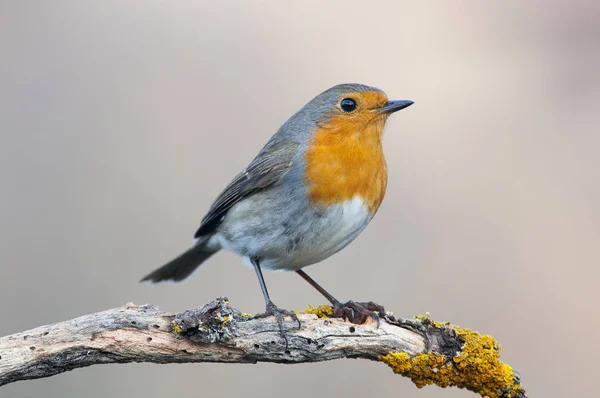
309, 192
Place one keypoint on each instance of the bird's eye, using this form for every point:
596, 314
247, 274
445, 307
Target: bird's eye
348, 105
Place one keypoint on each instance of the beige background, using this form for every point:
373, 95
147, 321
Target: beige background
120, 121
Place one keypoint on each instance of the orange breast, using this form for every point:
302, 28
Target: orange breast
345, 160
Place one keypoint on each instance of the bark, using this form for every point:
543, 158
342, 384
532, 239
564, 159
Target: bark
217, 332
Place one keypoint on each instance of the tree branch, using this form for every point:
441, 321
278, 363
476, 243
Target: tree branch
426, 351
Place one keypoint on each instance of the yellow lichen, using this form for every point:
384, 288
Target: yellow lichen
400, 362
225, 319
427, 319
322, 311
176, 327
477, 367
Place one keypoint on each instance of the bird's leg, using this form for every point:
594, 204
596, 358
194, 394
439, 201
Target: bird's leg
351, 311
272, 309
313, 283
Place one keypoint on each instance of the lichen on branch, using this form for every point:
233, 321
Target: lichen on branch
476, 366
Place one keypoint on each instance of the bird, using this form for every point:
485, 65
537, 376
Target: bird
309, 192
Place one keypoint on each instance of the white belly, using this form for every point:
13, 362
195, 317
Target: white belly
289, 239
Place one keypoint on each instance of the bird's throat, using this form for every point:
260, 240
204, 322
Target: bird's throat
344, 161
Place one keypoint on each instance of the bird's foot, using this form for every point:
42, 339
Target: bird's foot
273, 310
358, 312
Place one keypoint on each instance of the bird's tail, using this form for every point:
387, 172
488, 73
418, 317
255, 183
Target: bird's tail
182, 266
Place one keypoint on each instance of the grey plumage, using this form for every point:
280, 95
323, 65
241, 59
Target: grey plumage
266, 169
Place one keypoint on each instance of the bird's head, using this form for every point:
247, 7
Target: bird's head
353, 109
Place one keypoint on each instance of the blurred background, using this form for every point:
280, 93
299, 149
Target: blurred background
120, 121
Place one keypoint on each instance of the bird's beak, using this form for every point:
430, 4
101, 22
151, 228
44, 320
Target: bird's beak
393, 106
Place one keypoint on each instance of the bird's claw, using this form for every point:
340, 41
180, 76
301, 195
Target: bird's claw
273, 310
358, 312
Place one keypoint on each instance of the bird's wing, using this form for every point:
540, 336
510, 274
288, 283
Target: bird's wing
265, 170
